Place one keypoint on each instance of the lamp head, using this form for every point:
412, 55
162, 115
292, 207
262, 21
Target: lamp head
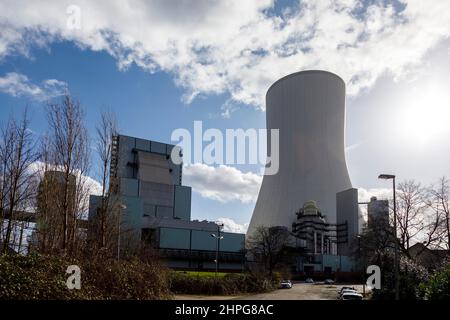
386, 176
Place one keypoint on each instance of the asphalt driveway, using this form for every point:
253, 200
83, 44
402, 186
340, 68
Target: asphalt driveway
299, 291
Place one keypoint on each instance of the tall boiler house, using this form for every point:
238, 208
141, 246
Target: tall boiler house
308, 108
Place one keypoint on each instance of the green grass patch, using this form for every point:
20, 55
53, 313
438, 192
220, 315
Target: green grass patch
201, 282
202, 274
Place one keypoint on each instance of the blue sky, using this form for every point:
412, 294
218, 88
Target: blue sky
146, 105
160, 68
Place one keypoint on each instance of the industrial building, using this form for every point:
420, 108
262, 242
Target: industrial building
156, 209
308, 108
316, 235
56, 194
347, 215
319, 242
377, 213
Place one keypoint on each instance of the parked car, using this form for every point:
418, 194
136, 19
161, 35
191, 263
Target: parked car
328, 281
309, 280
286, 284
346, 290
351, 296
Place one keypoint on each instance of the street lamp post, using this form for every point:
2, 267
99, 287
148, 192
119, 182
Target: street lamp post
359, 252
218, 237
396, 262
362, 263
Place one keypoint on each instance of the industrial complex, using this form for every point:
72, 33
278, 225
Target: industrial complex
311, 197
156, 208
311, 194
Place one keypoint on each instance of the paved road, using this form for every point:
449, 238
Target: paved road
299, 291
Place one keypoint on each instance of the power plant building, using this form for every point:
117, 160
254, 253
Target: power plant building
156, 208
377, 213
308, 109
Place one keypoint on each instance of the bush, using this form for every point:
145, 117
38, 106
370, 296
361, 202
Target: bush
411, 275
277, 277
233, 283
438, 287
44, 277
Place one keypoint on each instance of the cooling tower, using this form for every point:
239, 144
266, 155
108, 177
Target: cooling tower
308, 108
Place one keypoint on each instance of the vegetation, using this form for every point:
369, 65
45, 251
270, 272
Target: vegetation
227, 284
411, 276
438, 287
422, 217
44, 277
60, 203
203, 273
269, 249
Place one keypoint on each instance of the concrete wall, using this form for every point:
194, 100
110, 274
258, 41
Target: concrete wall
182, 203
145, 171
160, 150
94, 203
341, 263
308, 108
347, 211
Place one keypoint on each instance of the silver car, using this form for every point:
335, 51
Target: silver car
351, 295
286, 284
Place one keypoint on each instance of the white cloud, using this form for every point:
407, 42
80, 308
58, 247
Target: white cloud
19, 85
364, 195
229, 225
239, 47
222, 183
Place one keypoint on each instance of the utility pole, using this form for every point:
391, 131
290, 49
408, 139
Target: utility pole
396, 260
360, 252
218, 237
397, 280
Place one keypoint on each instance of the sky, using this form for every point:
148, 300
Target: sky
161, 65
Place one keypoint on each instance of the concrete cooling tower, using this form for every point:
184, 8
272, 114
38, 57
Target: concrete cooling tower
308, 108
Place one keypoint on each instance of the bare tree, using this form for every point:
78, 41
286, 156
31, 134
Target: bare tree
105, 217
412, 211
69, 147
374, 244
6, 150
417, 222
268, 245
17, 152
50, 221
441, 205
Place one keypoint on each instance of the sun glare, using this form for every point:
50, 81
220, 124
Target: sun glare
426, 115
